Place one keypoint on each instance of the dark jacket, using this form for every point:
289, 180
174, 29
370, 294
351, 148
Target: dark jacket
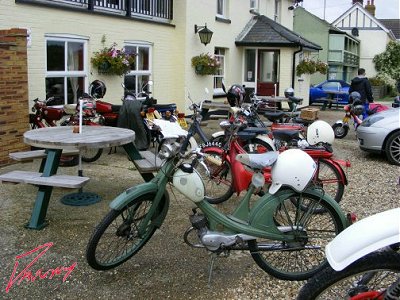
362, 85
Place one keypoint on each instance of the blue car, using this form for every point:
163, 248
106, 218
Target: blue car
338, 90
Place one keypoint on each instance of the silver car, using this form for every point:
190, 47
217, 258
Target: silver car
380, 133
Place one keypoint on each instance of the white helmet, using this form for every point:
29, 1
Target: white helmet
320, 131
293, 168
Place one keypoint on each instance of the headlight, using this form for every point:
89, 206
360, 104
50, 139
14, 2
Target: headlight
169, 149
371, 120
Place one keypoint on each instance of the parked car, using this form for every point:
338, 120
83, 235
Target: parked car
380, 133
318, 95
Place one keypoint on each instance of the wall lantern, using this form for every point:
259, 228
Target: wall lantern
205, 34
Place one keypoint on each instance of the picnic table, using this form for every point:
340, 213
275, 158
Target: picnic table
58, 140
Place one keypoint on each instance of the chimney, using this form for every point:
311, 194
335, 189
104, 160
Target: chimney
370, 7
358, 1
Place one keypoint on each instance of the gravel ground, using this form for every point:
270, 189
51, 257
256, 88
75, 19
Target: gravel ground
165, 267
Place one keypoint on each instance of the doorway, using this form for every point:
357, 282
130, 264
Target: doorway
268, 73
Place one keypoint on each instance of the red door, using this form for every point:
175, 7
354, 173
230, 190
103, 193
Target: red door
268, 73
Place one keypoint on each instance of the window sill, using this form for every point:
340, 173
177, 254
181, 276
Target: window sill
222, 19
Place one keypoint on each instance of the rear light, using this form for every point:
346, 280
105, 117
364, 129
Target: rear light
151, 110
181, 115
351, 218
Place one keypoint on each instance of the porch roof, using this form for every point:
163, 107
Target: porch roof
261, 31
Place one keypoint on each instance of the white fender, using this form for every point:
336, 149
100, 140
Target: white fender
218, 134
363, 237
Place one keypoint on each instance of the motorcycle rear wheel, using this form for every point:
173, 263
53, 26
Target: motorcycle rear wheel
117, 238
340, 130
304, 256
382, 269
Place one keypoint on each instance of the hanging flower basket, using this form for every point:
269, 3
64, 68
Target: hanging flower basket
113, 61
308, 66
205, 64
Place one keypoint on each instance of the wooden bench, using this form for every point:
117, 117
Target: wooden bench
35, 178
149, 163
28, 156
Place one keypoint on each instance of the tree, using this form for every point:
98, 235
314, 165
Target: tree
388, 63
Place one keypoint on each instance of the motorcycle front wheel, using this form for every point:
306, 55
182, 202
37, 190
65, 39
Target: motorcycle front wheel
367, 278
121, 234
304, 255
340, 130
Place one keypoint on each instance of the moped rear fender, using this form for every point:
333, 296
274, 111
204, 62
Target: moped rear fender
267, 140
218, 134
363, 237
139, 190
262, 214
338, 166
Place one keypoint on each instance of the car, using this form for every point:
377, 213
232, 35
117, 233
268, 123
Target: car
318, 94
380, 133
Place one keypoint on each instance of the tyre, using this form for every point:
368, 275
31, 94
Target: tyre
340, 130
304, 256
392, 148
218, 182
91, 154
121, 234
256, 146
365, 279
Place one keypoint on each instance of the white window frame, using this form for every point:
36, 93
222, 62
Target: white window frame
220, 91
137, 72
67, 74
254, 4
277, 11
222, 13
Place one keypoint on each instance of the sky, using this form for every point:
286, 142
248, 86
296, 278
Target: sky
385, 9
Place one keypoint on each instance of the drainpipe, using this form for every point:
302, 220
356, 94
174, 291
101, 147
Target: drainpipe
294, 64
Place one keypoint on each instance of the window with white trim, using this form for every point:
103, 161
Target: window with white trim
219, 54
221, 8
254, 4
140, 73
277, 11
66, 71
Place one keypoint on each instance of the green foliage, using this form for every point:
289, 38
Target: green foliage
388, 62
308, 66
376, 81
113, 61
205, 64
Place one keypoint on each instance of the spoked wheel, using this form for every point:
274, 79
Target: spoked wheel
256, 146
367, 278
340, 130
218, 182
302, 255
392, 148
91, 154
121, 234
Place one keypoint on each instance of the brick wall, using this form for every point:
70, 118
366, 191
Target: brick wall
14, 110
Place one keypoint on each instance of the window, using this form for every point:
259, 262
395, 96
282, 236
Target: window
66, 70
140, 73
277, 11
219, 77
221, 8
250, 65
254, 4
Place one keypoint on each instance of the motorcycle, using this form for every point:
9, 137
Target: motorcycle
354, 111
280, 229
364, 262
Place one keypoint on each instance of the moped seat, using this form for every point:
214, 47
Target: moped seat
274, 116
257, 130
115, 108
303, 121
258, 161
286, 135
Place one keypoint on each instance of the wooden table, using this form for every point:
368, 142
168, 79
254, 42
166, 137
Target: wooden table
276, 100
57, 139
331, 96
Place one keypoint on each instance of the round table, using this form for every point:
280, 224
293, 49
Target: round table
63, 138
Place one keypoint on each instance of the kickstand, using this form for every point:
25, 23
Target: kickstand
210, 268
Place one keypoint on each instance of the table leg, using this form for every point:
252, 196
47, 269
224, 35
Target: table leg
49, 168
134, 154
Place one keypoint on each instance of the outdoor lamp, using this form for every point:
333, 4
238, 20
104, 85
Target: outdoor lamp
205, 34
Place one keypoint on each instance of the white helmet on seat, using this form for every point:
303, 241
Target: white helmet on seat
293, 168
320, 131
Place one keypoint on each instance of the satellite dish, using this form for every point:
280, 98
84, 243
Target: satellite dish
354, 31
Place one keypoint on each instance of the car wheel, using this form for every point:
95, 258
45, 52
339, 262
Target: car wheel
392, 148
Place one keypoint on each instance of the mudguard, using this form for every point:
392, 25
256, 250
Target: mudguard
138, 190
363, 237
218, 134
267, 140
342, 123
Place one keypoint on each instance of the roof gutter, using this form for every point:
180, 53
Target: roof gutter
294, 64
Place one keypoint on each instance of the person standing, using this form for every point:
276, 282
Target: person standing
362, 85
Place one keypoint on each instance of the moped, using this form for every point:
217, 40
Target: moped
364, 262
280, 229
